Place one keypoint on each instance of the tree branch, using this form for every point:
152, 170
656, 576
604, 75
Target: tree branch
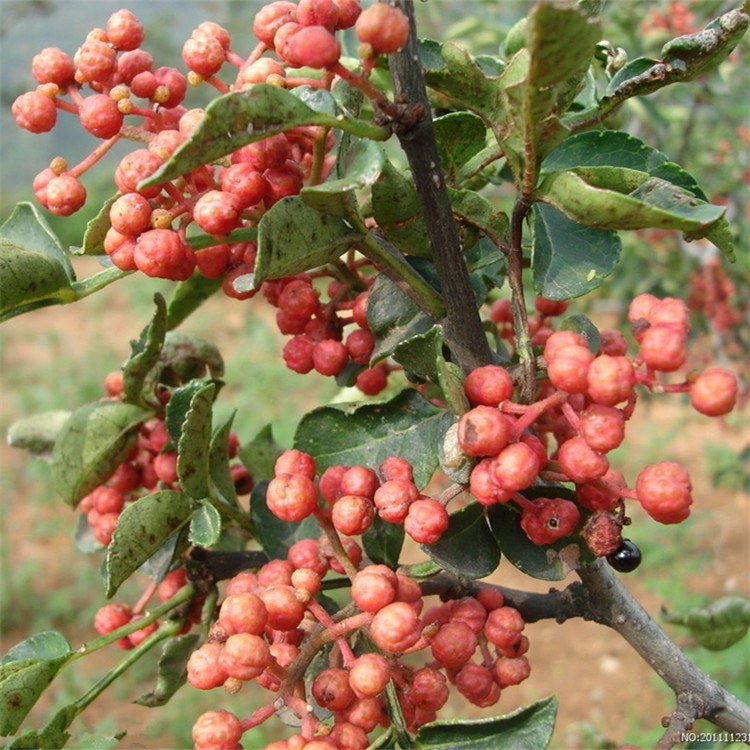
462, 326
698, 696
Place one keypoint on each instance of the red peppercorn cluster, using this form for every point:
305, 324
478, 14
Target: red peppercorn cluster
152, 465
352, 497
584, 405
112, 85
317, 327
267, 620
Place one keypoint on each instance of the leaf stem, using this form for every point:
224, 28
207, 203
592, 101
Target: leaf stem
167, 630
518, 303
97, 281
397, 268
185, 594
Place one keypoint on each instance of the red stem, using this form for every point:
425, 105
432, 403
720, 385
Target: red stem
94, 156
258, 717
536, 410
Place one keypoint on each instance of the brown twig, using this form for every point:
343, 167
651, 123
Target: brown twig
462, 326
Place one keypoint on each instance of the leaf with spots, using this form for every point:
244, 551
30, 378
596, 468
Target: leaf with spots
292, 238
194, 443
92, 444
144, 526
241, 117
614, 148
25, 673
408, 426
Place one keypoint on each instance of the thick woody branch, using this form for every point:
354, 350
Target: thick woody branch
697, 695
462, 326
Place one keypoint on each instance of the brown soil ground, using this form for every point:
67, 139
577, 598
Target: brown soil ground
598, 679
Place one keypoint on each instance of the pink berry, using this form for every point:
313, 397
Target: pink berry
580, 462
124, 30
569, 367
312, 47
244, 656
217, 212
34, 111
291, 497
270, 18
217, 730
162, 253
203, 55
610, 380
426, 521
130, 214
353, 514
100, 116
243, 613
663, 346
95, 61
602, 427
396, 627
52, 65
453, 645
664, 491
515, 467
65, 195
203, 669
383, 27
484, 431
714, 392
488, 385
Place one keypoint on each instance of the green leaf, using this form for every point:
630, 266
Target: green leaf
467, 548
581, 195
260, 454
561, 42
188, 296
527, 728
277, 536
144, 526
720, 234
487, 269
419, 354
27, 228
398, 212
171, 673
293, 237
194, 442
366, 434
584, 326
35, 271
542, 562
474, 209
701, 52
25, 672
37, 434
452, 71
30, 279
451, 381
541, 80
205, 526
178, 407
393, 318
614, 148
719, 625
218, 463
49, 645
570, 259
145, 353
96, 230
383, 542
93, 442
21, 684
460, 136
241, 117
362, 165
186, 356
